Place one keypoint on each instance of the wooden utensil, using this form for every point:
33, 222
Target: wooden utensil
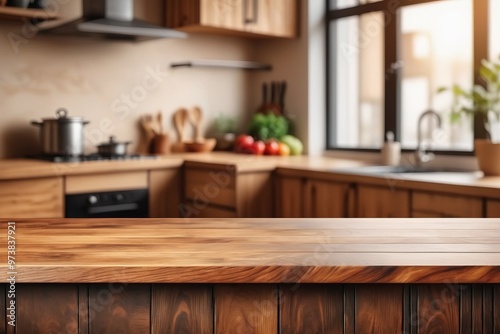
146, 122
180, 118
159, 120
196, 117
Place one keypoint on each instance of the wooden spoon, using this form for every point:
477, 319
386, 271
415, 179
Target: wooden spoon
196, 116
180, 118
159, 120
147, 125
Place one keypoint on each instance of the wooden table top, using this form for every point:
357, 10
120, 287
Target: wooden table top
256, 250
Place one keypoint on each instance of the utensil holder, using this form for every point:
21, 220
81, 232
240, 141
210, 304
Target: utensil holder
161, 144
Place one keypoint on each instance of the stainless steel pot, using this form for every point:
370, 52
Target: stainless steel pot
62, 135
113, 148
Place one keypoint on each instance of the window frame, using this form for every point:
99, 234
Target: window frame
392, 86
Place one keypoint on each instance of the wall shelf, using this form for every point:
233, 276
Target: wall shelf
16, 13
229, 64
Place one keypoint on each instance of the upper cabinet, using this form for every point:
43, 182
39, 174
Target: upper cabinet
256, 18
17, 13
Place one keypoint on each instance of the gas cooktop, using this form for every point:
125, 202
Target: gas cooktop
92, 157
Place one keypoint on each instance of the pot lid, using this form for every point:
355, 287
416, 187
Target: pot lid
112, 142
62, 117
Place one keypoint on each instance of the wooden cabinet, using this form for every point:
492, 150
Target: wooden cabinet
328, 199
28, 198
492, 209
289, 197
310, 198
433, 205
382, 202
80, 184
224, 193
165, 193
258, 18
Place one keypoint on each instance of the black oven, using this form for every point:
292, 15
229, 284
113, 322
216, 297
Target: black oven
111, 204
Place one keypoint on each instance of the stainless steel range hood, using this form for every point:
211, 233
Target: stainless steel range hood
109, 18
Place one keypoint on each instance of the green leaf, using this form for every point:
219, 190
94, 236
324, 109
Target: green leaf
486, 72
441, 90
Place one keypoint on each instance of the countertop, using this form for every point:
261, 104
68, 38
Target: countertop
32, 168
256, 250
324, 168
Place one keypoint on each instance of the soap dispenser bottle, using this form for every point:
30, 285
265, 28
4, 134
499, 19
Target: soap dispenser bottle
391, 152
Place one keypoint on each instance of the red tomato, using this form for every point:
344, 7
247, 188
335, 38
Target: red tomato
258, 147
243, 143
272, 148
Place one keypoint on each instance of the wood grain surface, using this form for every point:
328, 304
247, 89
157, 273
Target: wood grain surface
256, 308
438, 309
53, 309
313, 309
43, 198
378, 308
257, 250
496, 309
181, 309
245, 309
119, 308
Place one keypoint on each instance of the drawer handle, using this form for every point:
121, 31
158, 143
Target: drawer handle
255, 12
112, 208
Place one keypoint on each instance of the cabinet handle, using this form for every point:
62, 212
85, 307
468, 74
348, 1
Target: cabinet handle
255, 12
350, 202
313, 202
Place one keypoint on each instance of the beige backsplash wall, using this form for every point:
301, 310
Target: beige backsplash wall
90, 78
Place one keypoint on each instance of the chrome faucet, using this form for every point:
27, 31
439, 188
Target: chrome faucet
421, 154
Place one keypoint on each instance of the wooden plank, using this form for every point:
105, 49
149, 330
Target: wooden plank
47, 308
6, 301
349, 309
181, 309
469, 310
119, 308
3, 303
164, 193
83, 309
379, 309
255, 195
487, 309
63, 226
246, 309
258, 273
314, 309
438, 308
77, 184
42, 198
259, 250
496, 308
447, 205
378, 202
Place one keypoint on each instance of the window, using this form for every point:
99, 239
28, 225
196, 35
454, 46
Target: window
387, 59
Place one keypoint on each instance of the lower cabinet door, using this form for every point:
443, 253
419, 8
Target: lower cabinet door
28, 198
382, 202
325, 199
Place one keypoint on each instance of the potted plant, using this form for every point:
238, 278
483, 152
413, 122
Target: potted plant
483, 103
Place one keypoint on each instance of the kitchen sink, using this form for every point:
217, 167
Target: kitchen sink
400, 170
